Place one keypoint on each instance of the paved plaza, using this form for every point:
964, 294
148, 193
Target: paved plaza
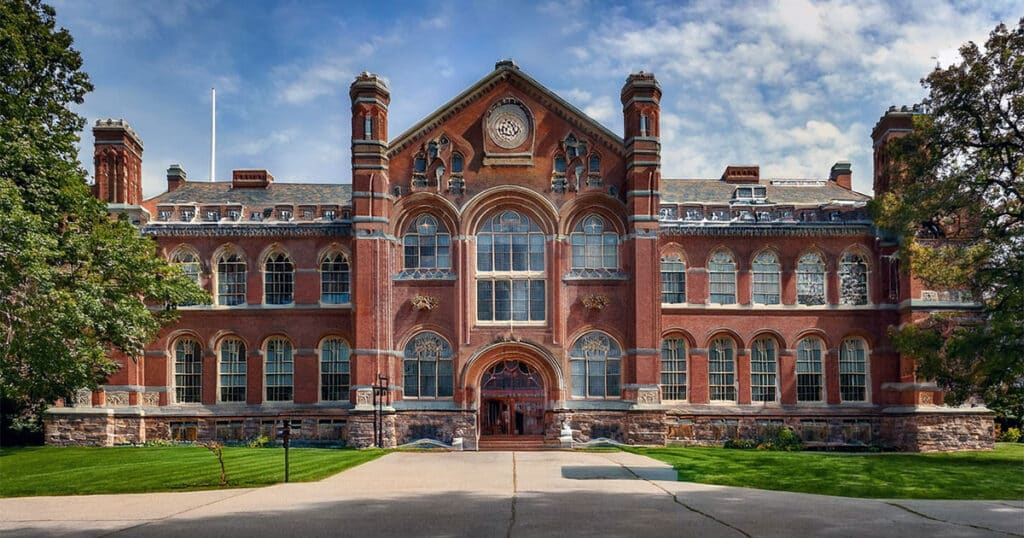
501, 494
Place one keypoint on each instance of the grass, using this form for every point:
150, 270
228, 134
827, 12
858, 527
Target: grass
82, 471
996, 474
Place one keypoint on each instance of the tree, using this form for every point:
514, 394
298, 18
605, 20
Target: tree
960, 174
74, 284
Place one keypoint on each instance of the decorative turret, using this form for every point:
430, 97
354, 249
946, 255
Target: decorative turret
893, 124
641, 110
370, 184
118, 160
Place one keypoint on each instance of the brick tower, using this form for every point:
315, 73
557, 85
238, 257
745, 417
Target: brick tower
117, 157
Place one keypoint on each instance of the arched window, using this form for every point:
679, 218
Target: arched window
809, 371
231, 278
722, 370
427, 246
810, 280
334, 279
232, 370
278, 279
457, 163
853, 280
595, 360
188, 262
188, 371
279, 369
595, 245
673, 369
427, 368
559, 164
722, 274
510, 269
766, 278
595, 164
419, 165
853, 370
763, 368
673, 280
334, 369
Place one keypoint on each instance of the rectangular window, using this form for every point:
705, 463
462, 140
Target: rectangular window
762, 371
766, 284
232, 371
334, 370
184, 431
722, 372
852, 371
723, 283
673, 281
673, 369
809, 373
510, 300
280, 368
230, 430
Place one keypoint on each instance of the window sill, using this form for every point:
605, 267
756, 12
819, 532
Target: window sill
424, 274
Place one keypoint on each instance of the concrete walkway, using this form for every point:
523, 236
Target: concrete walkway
502, 494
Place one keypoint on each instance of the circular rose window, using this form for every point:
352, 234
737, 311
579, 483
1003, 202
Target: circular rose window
508, 126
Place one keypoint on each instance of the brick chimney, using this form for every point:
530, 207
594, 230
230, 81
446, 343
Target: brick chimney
741, 174
175, 177
842, 174
117, 156
250, 179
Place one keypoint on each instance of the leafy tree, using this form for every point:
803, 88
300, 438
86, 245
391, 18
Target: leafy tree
74, 284
960, 174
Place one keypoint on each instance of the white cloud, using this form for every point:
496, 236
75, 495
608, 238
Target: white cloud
262, 145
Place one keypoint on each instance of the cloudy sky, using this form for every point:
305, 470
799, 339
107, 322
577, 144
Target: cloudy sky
792, 86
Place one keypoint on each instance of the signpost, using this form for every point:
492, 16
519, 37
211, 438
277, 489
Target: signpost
380, 399
286, 434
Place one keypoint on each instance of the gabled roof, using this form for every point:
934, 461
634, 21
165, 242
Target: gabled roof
509, 71
718, 192
222, 193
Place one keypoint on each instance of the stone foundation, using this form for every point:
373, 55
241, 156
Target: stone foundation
94, 427
814, 431
939, 429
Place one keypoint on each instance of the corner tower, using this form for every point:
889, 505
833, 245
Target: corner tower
117, 157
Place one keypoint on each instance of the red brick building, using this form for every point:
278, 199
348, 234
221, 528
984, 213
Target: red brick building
511, 270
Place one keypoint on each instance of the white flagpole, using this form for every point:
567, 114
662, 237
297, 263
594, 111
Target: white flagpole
213, 132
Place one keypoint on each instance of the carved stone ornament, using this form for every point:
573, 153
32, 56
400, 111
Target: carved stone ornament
595, 302
647, 397
117, 398
424, 302
364, 397
83, 398
150, 398
508, 126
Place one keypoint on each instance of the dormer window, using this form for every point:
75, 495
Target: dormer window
750, 194
285, 214
693, 213
256, 216
234, 214
212, 215
329, 214
163, 214
188, 214
307, 214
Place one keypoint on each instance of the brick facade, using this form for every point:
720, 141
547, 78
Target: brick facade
507, 266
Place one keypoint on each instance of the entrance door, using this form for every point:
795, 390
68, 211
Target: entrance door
511, 400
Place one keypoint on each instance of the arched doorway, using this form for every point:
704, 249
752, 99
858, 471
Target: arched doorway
511, 400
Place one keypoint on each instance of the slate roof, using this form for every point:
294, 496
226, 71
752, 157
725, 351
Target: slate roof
222, 193
718, 192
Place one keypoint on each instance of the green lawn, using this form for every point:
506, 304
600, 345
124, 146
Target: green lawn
998, 474
81, 471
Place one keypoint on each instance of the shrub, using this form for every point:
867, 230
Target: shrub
259, 442
1011, 435
740, 443
781, 439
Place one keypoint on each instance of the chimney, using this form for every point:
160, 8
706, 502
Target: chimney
842, 174
117, 156
175, 177
895, 123
741, 174
250, 179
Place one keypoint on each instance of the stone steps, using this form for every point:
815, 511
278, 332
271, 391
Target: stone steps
510, 443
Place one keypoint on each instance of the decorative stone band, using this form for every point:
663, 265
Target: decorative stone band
770, 230
248, 230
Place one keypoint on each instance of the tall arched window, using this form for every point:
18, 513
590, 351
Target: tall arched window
232, 370
334, 369
763, 368
427, 246
722, 274
673, 369
595, 360
595, 245
722, 370
456, 163
278, 279
188, 371
810, 386
810, 280
853, 370
853, 279
334, 279
595, 164
279, 369
188, 262
766, 282
231, 278
427, 368
510, 269
673, 280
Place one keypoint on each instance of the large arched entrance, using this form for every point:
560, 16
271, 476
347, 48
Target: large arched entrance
512, 400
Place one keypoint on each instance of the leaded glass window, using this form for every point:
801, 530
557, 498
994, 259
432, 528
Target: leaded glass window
334, 279
673, 280
189, 264
188, 371
722, 370
334, 369
427, 368
594, 245
673, 369
595, 360
810, 280
853, 370
457, 163
427, 246
853, 280
510, 269
231, 279
278, 279
280, 369
809, 371
763, 369
722, 274
595, 164
232, 370
766, 273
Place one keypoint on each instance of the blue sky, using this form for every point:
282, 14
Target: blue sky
792, 86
